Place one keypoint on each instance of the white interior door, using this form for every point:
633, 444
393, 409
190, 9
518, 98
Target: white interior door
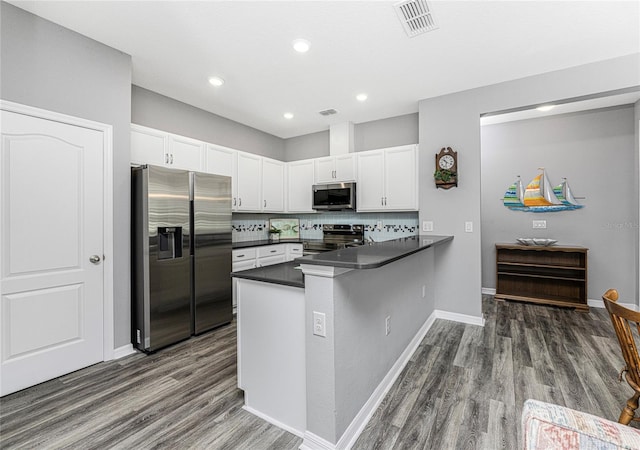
51, 229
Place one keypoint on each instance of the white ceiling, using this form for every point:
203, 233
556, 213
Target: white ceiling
356, 46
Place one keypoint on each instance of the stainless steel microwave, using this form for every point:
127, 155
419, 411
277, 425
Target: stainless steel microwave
337, 196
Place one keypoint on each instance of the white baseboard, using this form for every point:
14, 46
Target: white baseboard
456, 317
274, 421
315, 442
488, 291
360, 421
123, 351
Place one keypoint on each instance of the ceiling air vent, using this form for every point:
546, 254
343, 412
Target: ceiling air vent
328, 112
416, 17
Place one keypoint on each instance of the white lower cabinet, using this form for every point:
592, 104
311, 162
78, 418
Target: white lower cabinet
294, 251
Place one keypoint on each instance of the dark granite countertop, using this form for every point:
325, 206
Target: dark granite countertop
374, 255
283, 273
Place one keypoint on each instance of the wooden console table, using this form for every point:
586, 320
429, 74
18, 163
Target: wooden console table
554, 275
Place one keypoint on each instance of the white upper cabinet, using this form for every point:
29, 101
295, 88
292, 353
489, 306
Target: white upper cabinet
388, 179
370, 187
220, 160
272, 185
149, 146
185, 153
299, 185
336, 169
249, 182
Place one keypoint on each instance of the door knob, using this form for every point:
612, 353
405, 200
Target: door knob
95, 259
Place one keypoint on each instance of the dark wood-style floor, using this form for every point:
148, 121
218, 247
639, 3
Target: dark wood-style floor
463, 388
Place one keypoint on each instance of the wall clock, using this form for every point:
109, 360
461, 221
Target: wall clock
446, 174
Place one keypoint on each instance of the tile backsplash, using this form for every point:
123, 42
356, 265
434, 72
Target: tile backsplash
254, 227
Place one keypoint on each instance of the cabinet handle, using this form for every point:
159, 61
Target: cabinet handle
166, 158
272, 251
265, 203
385, 201
239, 201
172, 158
240, 256
234, 201
382, 201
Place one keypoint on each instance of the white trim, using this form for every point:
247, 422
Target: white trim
315, 442
273, 421
123, 351
323, 271
600, 304
462, 318
489, 291
107, 131
360, 421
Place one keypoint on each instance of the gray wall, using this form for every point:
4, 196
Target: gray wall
153, 110
307, 146
454, 121
595, 151
390, 132
50, 67
399, 130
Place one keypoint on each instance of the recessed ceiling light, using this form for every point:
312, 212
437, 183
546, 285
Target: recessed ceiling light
545, 108
361, 97
288, 115
301, 45
216, 81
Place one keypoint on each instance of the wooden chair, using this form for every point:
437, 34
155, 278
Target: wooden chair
624, 320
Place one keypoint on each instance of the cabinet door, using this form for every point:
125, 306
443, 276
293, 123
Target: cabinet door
345, 168
325, 170
272, 185
401, 178
185, 153
249, 182
222, 161
271, 260
243, 265
370, 187
300, 183
294, 251
148, 146
219, 160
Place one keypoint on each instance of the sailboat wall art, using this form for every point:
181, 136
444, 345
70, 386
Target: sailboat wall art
539, 196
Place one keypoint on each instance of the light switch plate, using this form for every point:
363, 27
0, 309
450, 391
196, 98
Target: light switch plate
468, 227
427, 225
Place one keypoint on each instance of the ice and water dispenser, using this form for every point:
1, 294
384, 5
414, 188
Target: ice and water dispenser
169, 242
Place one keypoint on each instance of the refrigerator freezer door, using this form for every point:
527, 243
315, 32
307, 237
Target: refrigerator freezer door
211, 260
161, 276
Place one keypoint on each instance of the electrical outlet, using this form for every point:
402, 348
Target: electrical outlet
387, 325
468, 227
138, 337
379, 225
427, 225
539, 224
319, 324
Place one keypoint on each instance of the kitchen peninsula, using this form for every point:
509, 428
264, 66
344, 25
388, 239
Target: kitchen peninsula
321, 339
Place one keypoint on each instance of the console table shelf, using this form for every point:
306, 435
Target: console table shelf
555, 275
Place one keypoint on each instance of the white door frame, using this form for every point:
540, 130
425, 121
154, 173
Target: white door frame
107, 133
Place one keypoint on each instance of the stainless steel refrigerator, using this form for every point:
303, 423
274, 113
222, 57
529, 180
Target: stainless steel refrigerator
181, 255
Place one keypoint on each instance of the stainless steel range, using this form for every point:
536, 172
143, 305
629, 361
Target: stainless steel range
335, 237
